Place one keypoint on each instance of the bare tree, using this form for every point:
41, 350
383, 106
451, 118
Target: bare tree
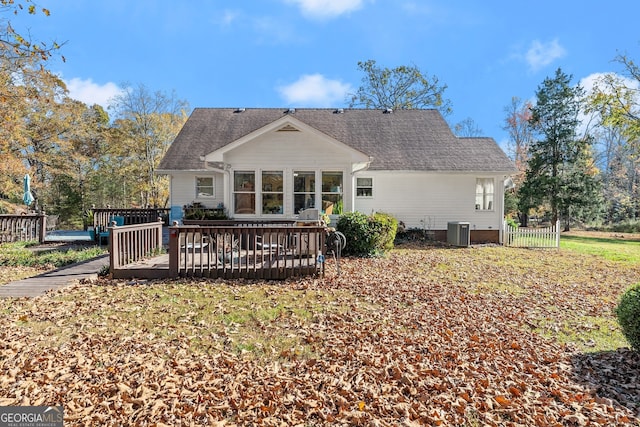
402, 87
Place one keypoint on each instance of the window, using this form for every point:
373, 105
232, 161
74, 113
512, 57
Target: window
332, 192
304, 190
484, 194
204, 187
364, 187
272, 192
244, 193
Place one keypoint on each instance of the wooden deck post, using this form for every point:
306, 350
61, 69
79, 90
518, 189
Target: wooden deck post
42, 231
174, 250
114, 250
159, 235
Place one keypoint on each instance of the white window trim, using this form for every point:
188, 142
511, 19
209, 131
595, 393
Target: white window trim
493, 195
213, 187
358, 187
263, 192
257, 181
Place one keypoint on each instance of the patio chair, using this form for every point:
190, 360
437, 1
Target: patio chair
104, 232
195, 241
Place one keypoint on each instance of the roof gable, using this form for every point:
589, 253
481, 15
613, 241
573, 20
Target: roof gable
286, 123
418, 140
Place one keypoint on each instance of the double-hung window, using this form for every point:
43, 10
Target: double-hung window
332, 191
484, 194
304, 190
204, 187
364, 187
272, 192
244, 193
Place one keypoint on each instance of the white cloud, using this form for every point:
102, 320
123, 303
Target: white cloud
321, 9
598, 80
542, 54
228, 17
92, 93
315, 90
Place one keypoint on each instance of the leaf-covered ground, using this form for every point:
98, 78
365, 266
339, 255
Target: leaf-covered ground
425, 336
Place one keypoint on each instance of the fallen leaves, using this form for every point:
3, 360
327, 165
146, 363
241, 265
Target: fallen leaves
398, 341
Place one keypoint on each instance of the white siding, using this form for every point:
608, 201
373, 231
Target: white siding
419, 199
430, 200
291, 151
183, 189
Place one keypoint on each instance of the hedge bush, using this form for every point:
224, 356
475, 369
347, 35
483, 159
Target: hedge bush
628, 312
367, 235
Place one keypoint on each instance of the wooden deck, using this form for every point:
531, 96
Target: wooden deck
249, 251
158, 268
150, 268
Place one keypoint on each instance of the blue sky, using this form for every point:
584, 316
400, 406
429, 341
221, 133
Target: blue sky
304, 53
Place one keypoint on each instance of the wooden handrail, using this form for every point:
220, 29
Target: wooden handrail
132, 243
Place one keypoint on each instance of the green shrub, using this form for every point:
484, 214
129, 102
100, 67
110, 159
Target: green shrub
367, 235
628, 312
627, 226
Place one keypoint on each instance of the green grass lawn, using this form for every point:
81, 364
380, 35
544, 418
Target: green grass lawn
19, 260
613, 249
473, 335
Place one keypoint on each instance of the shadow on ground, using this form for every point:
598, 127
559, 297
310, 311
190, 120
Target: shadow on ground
613, 375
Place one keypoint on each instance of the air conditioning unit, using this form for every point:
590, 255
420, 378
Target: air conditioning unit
459, 233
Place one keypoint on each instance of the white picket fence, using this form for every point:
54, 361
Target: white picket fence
521, 237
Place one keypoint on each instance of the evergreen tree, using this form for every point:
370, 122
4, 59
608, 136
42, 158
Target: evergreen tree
560, 172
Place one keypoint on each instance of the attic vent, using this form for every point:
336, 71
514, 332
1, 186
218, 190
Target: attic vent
339, 111
388, 110
240, 110
288, 128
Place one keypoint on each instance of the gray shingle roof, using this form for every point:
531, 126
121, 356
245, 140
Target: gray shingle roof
418, 140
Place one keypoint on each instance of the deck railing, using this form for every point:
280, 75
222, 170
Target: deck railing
132, 243
17, 228
246, 251
102, 216
543, 237
240, 223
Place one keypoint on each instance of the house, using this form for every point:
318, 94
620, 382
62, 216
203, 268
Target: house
265, 163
